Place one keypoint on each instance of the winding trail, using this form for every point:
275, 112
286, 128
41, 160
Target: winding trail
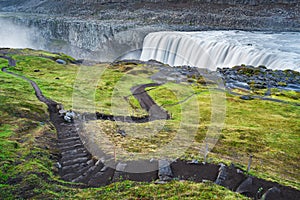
147, 103
76, 164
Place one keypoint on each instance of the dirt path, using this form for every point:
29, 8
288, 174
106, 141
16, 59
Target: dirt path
155, 112
147, 103
76, 164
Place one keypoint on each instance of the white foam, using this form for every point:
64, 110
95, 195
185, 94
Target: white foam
212, 49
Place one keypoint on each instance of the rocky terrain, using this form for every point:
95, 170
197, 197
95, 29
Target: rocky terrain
260, 77
105, 30
251, 15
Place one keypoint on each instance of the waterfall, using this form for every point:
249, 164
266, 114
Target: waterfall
212, 49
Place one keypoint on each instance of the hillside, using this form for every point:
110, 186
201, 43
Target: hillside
31, 150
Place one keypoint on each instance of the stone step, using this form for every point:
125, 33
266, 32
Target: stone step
230, 177
82, 170
120, 169
245, 186
78, 168
67, 148
68, 144
68, 157
89, 173
73, 151
68, 135
75, 161
70, 176
63, 137
69, 139
89, 164
272, 193
103, 177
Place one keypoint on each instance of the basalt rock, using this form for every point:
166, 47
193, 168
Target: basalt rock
249, 77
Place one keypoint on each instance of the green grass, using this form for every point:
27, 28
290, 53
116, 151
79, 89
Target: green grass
55, 80
268, 130
21, 153
172, 190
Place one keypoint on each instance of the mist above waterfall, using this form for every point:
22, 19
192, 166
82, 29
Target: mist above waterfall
212, 49
19, 36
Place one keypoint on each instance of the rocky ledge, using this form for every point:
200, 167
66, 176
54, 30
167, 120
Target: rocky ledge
250, 77
244, 77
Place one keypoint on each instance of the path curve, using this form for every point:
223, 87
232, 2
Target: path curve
147, 103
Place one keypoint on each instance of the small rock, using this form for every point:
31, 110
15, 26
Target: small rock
222, 174
69, 116
121, 167
272, 193
60, 61
164, 170
122, 132
245, 186
104, 169
160, 182
246, 97
194, 161
58, 165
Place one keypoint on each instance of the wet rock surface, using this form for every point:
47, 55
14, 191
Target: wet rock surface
241, 77
250, 77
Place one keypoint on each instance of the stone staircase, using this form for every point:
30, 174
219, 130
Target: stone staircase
76, 162
78, 165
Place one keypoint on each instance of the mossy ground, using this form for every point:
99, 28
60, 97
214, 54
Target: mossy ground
268, 130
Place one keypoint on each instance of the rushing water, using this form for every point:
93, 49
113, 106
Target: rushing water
211, 49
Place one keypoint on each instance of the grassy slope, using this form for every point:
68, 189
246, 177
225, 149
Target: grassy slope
26, 159
268, 130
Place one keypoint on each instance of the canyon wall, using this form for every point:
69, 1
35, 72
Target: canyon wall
107, 29
87, 39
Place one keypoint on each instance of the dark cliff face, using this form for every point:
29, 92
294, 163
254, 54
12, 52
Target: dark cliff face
81, 6
282, 15
113, 27
232, 14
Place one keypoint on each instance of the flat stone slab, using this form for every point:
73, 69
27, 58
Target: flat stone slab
164, 170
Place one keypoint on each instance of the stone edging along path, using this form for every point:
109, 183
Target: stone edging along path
76, 164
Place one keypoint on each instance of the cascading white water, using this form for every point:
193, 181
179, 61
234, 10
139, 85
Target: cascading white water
212, 49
